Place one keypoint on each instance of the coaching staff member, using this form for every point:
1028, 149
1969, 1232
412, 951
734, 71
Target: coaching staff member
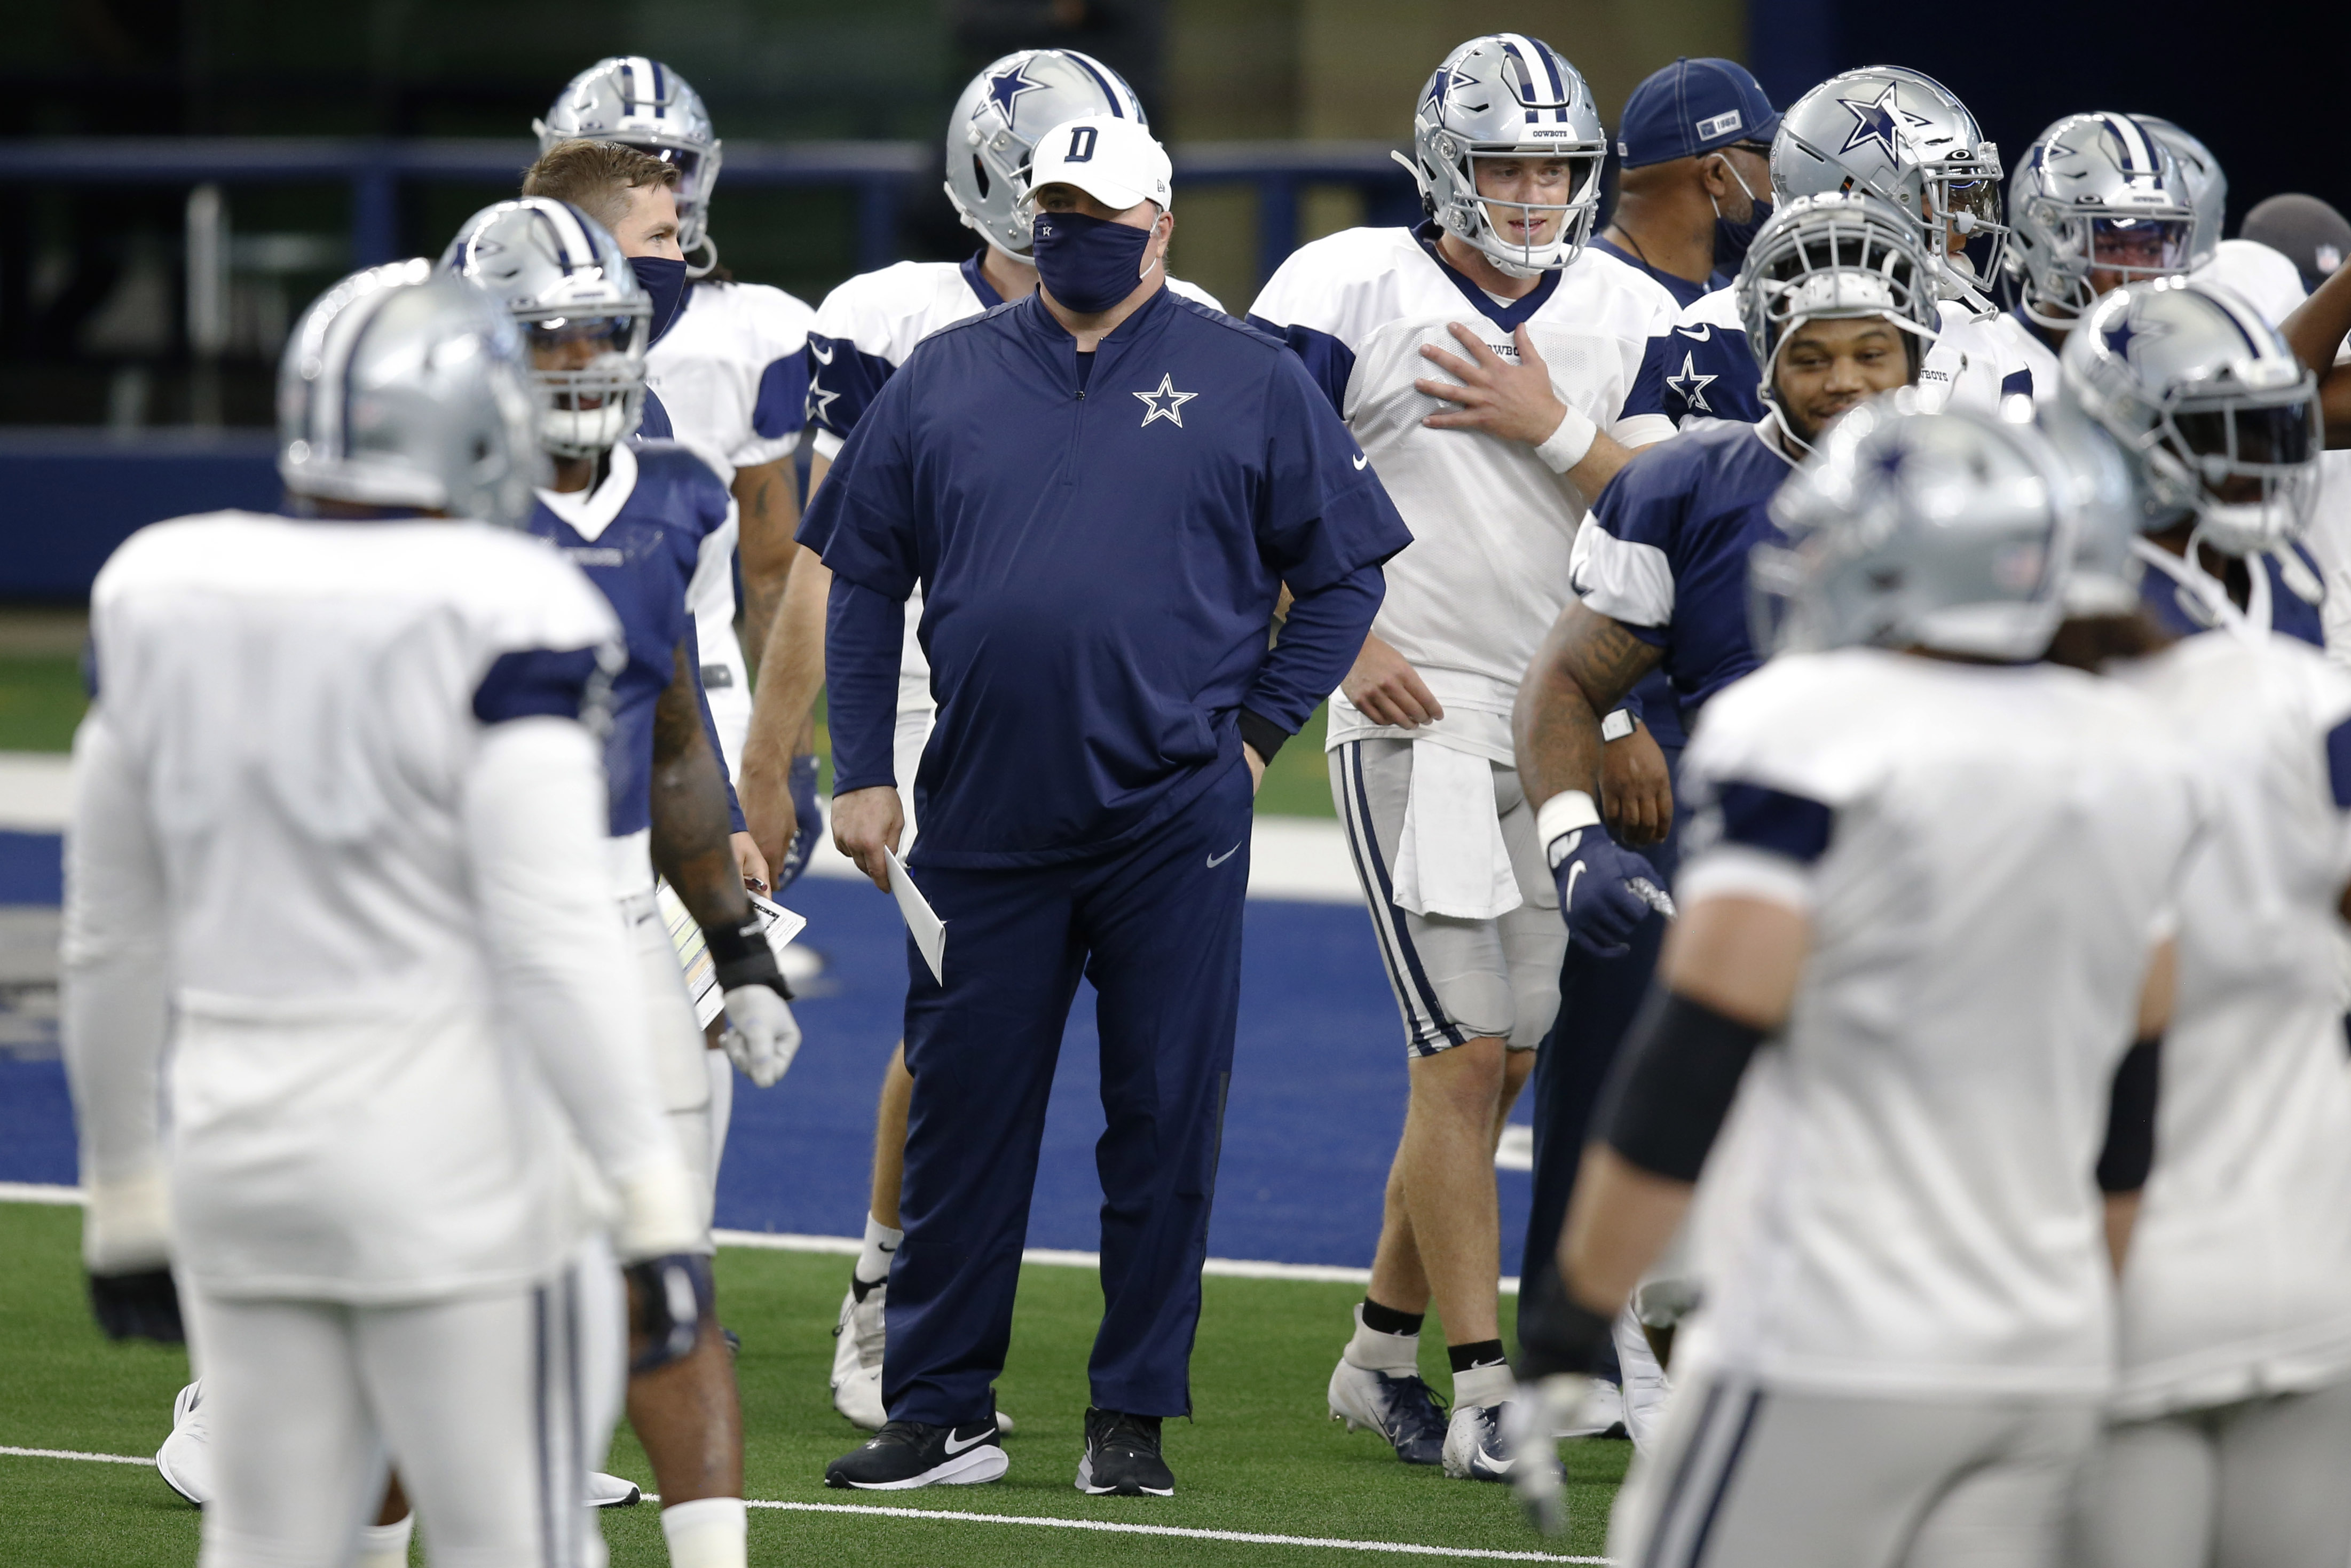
1100, 489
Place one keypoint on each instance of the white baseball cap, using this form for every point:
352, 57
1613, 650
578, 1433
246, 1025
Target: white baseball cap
1109, 158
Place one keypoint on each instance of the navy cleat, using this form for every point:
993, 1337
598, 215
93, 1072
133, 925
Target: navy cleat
1405, 1410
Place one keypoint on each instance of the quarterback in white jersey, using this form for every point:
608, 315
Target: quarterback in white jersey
1482, 361
1927, 921
345, 998
863, 333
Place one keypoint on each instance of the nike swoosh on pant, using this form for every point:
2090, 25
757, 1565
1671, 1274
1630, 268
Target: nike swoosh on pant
1216, 860
954, 1448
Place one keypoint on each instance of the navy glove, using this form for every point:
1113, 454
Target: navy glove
807, 813
669, 1297
1598, 896
144, 1305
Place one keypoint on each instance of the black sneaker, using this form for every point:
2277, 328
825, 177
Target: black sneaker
1122, 1457
907, 1454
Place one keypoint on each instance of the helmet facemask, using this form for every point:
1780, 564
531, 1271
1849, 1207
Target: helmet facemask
2245, 462
1471, 215
590, 368
2086, 248
1965, 235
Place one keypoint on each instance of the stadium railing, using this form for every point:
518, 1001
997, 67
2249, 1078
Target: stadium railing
880, 173
69, 495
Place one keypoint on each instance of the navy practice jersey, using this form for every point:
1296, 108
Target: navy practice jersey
1665, 551
2286, 598
1684, 292
1099, 555
637, 535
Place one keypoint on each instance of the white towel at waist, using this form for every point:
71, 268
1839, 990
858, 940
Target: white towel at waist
1452, 860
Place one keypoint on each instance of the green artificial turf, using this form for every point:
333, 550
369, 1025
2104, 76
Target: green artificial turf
41, 701
1259, 1457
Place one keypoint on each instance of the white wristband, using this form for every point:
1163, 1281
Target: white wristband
1569, 444
1564, 814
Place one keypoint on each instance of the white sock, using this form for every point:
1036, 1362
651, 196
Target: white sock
708, 1533
1397, 1355
385, 1545
881, 1245
1483, 1385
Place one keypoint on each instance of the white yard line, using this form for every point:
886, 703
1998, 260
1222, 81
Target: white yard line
848, 1247
1115, 1527
1300, 859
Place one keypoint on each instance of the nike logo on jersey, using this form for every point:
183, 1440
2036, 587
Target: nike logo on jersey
1697, 334
823, 356
1362, 461
954, 1448
1216, 860
1165, 402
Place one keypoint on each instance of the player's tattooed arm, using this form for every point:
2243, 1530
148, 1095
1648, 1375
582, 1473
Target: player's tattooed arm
766, 498
691, 831
1585, 666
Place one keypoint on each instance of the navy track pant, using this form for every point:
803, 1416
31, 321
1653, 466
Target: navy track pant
1597, 999
1157, 929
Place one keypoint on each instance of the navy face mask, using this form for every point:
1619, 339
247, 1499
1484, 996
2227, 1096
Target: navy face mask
665, 280
1088, 264
1731, 239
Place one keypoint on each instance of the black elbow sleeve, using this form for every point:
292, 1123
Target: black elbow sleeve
2129, 1152
1673, 1085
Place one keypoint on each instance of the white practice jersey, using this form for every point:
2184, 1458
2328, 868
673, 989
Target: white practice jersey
1492, 526
329, 794
732, 372
864, 332
2239, 1278
1903, 1199
2262, 275
1982, 356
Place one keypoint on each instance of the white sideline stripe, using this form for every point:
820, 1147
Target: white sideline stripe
1111, 1526
1301, 858
73, 1454
849, 1247
1247, 1537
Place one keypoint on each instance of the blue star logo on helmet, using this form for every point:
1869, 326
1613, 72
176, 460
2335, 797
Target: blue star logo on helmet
1005, 87
2123, 332
1877, 119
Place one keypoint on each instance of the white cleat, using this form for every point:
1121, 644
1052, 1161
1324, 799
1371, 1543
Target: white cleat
612, 1491
857, 1345
185, 1460
1474, 1449
1601, 1414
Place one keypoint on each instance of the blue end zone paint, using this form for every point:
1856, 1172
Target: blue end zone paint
1317, 1094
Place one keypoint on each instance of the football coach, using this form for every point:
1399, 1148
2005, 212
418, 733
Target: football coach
1100, 489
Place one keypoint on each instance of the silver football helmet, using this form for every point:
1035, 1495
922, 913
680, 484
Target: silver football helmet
642, 102
1841, 254
402, 389
2098, 196
1902, 135
584, 317
1949, 531
2208, 187
1506, 95
993, 132
2108, 500
2209, 403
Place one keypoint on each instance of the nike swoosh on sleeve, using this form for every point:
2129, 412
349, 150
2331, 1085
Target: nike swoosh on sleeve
823, 356
1698, 333
1362, 462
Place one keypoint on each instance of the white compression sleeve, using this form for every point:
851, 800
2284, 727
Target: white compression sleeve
535, 811
116, 1002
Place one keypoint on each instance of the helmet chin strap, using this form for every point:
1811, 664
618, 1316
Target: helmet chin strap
708, 247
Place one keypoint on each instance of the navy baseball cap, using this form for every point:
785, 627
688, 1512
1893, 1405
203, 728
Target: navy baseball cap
1693, 106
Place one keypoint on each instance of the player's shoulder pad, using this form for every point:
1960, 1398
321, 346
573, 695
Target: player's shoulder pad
1814, 725
674, 461
163, 552
865, 309
1316, 284
779, 321
1683, 460
1611, 275
1716, 309
1196, 295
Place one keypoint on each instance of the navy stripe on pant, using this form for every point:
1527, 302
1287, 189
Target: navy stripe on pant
1597, 999
1157, 930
